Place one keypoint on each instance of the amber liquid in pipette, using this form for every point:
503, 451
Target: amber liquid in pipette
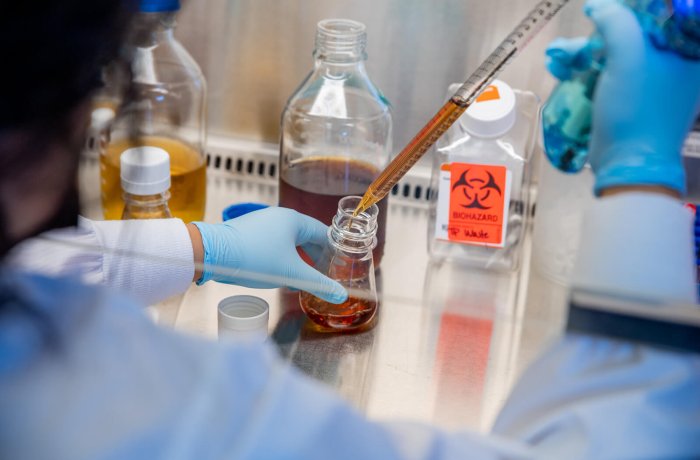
399, 166
504, 53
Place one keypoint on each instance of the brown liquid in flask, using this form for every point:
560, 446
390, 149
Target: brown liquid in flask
347, 259
314, 186
351, 314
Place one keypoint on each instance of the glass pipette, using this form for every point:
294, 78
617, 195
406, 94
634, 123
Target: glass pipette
540, 15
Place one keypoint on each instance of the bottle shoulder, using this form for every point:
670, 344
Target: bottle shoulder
461, 145
350, 94
515, 145
167, 62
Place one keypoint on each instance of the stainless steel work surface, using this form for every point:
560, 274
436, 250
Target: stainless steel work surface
449, 341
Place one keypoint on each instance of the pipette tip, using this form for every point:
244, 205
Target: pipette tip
362, 206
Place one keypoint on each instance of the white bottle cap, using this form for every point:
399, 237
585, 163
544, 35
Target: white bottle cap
101, 118
243, 317
493, 114
145, 170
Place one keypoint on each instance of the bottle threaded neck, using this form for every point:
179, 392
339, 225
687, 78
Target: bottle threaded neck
340, 40
356, 234
154, 206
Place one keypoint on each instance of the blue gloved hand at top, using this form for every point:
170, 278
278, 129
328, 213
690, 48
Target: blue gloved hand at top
644, 105
258, 250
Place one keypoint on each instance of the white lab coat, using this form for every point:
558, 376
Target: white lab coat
110, 384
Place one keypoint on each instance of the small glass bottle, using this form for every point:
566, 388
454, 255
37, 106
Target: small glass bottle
165, 107
480, 183
347, 259
145, 179
336, 129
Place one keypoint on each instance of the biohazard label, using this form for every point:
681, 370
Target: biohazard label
473, 203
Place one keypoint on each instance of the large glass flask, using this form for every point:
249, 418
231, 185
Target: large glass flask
336, 128
347, 259
165, 108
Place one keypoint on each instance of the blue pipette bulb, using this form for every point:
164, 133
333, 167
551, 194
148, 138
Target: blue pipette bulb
566, 117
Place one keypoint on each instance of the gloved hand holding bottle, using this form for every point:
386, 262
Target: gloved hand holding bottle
645, 99
258, 250
639, 120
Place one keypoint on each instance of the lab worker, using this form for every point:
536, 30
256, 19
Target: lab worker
84, 374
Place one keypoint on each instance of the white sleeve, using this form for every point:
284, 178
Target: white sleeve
591, 397
149, 259
177, 397
640, 244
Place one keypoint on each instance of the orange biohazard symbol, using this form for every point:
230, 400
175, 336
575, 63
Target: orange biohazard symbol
477, 203
478, 190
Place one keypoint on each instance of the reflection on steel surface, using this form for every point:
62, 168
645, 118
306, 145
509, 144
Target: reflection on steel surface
342, 360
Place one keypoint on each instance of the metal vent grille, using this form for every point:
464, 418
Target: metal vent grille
262, 168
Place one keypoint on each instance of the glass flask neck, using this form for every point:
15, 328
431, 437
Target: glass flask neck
146, 206
354, 235
151, 29
340, 41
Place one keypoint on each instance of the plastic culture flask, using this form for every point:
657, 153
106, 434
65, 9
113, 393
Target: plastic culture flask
347, 259
480, 181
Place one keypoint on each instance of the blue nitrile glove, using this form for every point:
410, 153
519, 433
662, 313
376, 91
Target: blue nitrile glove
644, 105
258, 250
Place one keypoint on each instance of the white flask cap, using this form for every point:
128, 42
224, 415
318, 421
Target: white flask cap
492, 114
145, 170
243, 317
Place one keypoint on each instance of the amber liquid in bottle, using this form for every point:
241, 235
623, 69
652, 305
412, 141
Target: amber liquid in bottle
188, 178
314, 186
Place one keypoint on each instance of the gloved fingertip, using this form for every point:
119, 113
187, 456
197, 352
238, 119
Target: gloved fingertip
556, 53
559, 47
337, 294
556, 68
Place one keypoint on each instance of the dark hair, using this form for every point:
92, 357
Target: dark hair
52, 55
53, 51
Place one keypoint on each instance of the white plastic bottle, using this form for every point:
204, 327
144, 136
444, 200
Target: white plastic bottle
481, 179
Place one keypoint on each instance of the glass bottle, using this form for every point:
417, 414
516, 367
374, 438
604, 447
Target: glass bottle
347, 259
145, 180
165, 107
480, 181
672, 25
336, 129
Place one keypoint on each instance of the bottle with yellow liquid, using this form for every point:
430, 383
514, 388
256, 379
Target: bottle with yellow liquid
165, 108
145, 180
